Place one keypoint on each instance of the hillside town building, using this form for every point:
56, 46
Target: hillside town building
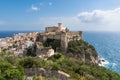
21, 41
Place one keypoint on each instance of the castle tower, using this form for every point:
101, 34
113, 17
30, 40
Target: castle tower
59, 26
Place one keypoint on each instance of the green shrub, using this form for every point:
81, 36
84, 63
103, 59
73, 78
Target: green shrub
54, 43
29, 62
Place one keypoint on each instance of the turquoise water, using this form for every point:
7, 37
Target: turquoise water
107, 45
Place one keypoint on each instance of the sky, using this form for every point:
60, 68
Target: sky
35, 15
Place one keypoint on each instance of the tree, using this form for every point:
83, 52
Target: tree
11, 59
13, 74
31, 50
10, 72
4, 66
54, 43
29, 62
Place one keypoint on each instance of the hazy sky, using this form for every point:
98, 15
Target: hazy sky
90, 15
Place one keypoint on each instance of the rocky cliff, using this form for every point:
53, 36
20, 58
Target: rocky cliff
82, 51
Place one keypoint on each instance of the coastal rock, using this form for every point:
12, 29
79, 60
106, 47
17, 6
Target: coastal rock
82, 51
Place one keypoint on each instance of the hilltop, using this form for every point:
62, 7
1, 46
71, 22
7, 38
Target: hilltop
54, 54
57, 66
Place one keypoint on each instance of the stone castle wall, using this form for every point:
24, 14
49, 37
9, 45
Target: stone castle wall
51, 29
60, 33
65, 37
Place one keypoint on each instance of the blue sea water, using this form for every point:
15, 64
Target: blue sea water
107, 45
4, 34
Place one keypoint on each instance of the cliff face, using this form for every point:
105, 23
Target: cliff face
83, 51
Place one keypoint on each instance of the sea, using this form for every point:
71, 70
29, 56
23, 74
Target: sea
107, 45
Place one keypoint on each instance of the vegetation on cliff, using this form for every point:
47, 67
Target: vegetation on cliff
72, 63
79, 70
54, 43
75, 68
82, 50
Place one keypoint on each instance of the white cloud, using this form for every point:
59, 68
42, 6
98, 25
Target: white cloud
101, 19
96, 20
35, 8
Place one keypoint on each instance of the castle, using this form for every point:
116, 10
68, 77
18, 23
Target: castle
61, 33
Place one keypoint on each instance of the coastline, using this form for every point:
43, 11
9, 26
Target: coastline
110, 64
103, 62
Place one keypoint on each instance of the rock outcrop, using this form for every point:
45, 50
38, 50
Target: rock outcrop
82, 51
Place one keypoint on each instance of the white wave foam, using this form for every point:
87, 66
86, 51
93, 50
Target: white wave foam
103, 62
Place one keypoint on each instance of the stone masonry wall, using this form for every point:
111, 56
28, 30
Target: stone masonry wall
65, 37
